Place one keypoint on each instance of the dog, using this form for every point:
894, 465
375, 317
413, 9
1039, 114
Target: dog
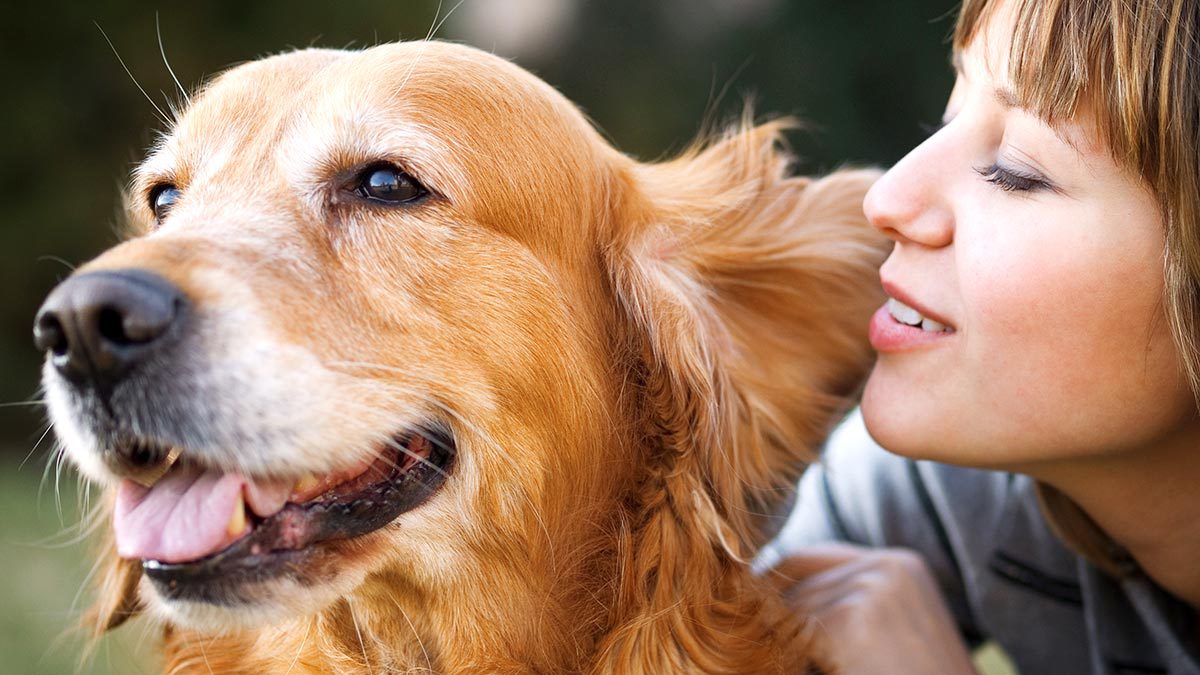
404, 368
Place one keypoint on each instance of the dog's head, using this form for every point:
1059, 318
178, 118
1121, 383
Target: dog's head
401, 316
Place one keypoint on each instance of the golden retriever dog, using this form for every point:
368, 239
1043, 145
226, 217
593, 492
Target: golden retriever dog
405, 369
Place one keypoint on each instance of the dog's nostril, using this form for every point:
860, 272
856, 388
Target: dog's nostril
111, 325
49, 336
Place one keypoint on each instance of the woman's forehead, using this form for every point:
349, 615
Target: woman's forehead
985, 62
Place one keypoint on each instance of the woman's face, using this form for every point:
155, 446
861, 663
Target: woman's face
1045, 260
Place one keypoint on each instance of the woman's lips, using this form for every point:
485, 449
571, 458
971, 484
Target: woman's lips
889, 335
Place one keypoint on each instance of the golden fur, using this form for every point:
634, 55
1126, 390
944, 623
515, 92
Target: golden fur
636, 360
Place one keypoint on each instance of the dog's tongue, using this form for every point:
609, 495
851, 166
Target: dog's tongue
186, 515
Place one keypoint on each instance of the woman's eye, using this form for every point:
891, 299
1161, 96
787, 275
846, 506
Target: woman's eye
387, 184
162, 198
1013, 181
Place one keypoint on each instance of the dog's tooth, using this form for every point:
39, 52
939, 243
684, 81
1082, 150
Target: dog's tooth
237, 521
307, 482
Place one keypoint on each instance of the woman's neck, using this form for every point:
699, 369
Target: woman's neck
1148, 501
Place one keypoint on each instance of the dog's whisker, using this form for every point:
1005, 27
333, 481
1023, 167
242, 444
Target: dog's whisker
58, 467
437, 14
438, 26
54, 258
300, 648
433, 440
46, 432
161, 50
53, 466
46, 470
77, 532
358, 632
92, 518
204, 653
166, 120
421, 460
85, 583
438, 20
416, 635
16, 404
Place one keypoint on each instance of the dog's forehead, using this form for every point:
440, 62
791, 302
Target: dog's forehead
433, 73
427, 84
438, 104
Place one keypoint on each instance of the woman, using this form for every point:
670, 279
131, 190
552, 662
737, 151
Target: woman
1038, 365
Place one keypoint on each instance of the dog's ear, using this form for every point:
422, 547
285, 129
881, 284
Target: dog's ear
748, 294
116, 582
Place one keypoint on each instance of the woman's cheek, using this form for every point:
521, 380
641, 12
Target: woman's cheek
1060, 326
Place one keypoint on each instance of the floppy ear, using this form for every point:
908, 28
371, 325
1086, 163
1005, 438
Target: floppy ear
745, 296
749, 293
116, 582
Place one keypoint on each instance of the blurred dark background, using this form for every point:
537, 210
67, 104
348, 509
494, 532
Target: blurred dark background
864, 74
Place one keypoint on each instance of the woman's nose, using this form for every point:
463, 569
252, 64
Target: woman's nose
910, 202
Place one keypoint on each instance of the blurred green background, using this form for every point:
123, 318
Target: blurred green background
865, 75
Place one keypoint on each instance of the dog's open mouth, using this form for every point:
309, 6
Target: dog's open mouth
199, 528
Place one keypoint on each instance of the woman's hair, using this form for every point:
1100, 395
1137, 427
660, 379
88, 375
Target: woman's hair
1134, 68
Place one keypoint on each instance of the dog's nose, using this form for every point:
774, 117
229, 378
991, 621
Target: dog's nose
96, 325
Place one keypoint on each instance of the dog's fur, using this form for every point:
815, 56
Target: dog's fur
636, 360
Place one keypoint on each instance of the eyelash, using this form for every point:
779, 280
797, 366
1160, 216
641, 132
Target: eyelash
1013, 181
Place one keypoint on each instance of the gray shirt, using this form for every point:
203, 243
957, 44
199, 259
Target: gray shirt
1003, 572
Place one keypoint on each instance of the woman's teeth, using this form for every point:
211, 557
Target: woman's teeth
911, 317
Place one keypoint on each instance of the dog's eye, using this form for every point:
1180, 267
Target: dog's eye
388, 184
162, 198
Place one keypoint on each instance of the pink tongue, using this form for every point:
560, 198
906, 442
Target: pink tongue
186, 515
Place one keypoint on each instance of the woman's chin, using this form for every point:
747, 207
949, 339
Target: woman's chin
910, 422
891, 417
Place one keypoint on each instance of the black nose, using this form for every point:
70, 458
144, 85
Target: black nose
96, 325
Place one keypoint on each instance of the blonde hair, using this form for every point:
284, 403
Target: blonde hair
1134, 68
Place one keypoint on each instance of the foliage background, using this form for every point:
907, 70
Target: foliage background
864, 74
